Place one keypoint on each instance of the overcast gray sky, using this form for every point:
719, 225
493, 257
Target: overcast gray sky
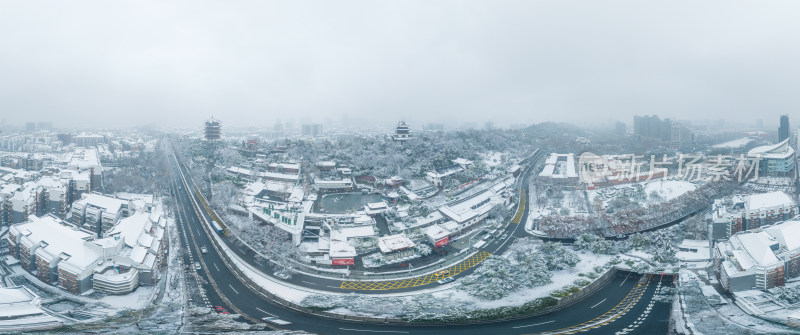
115, 63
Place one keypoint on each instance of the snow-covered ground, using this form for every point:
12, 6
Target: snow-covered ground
694, 251
737, 143
135, 300
448, 299
560, 279
493, 158
712, 313
669, 189
665, 189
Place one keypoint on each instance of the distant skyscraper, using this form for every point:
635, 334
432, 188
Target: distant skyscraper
783, 130
666, 130
652, 126
30, 126
620, 128
311, 130
213, 129
44, 125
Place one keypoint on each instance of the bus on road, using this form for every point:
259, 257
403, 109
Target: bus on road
217, 227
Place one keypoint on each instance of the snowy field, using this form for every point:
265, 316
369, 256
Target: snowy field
737, 143
669, 189
711, 313
643, 192
493, 158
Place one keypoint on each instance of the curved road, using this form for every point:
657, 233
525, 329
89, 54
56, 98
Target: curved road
223, 288
493, 246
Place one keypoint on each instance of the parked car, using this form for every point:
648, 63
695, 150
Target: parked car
197, 266
221, 310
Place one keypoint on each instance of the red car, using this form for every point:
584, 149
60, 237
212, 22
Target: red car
221, 310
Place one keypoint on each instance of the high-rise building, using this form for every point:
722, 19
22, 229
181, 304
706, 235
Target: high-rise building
312, 130
213, 129
30, 126
620, 128
651, 126
783, 130
44, 125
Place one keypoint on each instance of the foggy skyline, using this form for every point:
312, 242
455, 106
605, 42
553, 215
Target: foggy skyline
114, 64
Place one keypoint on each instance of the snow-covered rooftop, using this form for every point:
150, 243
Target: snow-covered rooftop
394, 242
130, 228
775, 151
294, 166
342, 250
11, 295
436, 232
326, 164
757, 247
279, 176
464, 210
344, 233
768, 200
787, 234
85, 159
559, 166
60, 239
111, 205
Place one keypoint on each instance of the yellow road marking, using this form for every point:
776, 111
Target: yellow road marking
416, 281
211, 212
521, 210
577, 328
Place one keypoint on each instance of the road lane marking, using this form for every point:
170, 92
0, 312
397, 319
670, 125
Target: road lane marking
626, 278
215, 266
535, 324
419, 280
265, 312
374, 331
601, 301
307, 282
234, 290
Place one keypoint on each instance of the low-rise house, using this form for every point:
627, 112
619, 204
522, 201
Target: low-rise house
396, 246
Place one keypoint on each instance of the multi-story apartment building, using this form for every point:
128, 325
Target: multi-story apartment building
746, 212
759, 259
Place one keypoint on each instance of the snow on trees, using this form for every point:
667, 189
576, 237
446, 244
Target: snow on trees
635, 219
498, 277
558, 257
423, 249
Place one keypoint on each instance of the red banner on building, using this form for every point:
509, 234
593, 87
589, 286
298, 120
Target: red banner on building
442, 242
342, 261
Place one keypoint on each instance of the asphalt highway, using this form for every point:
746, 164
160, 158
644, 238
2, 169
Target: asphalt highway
496, 245
223, 288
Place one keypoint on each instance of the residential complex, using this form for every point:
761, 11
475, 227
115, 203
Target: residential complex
77, 260
747, 212
759, 259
